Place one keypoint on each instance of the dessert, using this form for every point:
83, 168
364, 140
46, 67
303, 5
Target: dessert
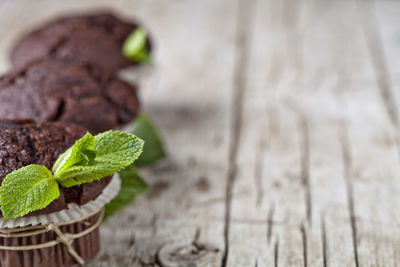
96, 38
52, 196
80, 93
26, 142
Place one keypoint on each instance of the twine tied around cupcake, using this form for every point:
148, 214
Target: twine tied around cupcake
66, 239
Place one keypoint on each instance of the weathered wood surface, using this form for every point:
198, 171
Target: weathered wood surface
282, 124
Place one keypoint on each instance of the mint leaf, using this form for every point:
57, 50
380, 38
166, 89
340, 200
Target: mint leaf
81, 153
131, 186
153, 148
27, 189
113, 150
134, 46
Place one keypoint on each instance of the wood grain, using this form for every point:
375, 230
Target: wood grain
282, 126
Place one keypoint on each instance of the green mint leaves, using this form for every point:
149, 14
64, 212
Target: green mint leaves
92, 158
131, 186
81, 153
27, 189
135, 46
33, 187
153, 147
131, 182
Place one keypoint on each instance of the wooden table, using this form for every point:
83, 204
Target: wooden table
282, 125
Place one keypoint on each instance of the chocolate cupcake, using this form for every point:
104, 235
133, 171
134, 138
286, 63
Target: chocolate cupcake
96, 38
56, 90
53, 190
26, 142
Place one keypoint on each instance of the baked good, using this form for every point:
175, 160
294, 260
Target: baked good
77, 92
45, 166
96, 38
26, 142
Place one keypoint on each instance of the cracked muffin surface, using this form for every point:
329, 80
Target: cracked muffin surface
96, 38
26, 142
72, 92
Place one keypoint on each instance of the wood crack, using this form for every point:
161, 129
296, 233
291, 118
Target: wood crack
270, 222
239, 83
276, 253
347, 166
305, 166
304, 242
153, 224
324, 242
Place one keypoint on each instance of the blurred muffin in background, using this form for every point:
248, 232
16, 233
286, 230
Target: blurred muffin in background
96, 38
74, 92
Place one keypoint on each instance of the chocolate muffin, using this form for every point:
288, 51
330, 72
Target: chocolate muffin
96, 38
26, 142
79, 92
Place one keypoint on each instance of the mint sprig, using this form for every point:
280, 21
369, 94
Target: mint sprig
135, 46
33, 187
131, 182
113, 151
131, 186
153, 148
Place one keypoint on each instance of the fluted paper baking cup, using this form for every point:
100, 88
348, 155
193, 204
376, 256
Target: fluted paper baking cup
64, 245
73, 212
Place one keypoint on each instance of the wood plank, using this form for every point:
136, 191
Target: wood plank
188, 96
311, 80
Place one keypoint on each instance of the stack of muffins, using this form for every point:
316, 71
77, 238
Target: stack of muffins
62, 85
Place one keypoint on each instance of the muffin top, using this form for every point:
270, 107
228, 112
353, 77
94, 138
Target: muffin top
72, 92
96, 38
27, 142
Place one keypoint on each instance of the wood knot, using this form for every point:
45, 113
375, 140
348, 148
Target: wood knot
186, 254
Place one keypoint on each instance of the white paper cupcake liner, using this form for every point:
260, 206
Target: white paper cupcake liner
73, 211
